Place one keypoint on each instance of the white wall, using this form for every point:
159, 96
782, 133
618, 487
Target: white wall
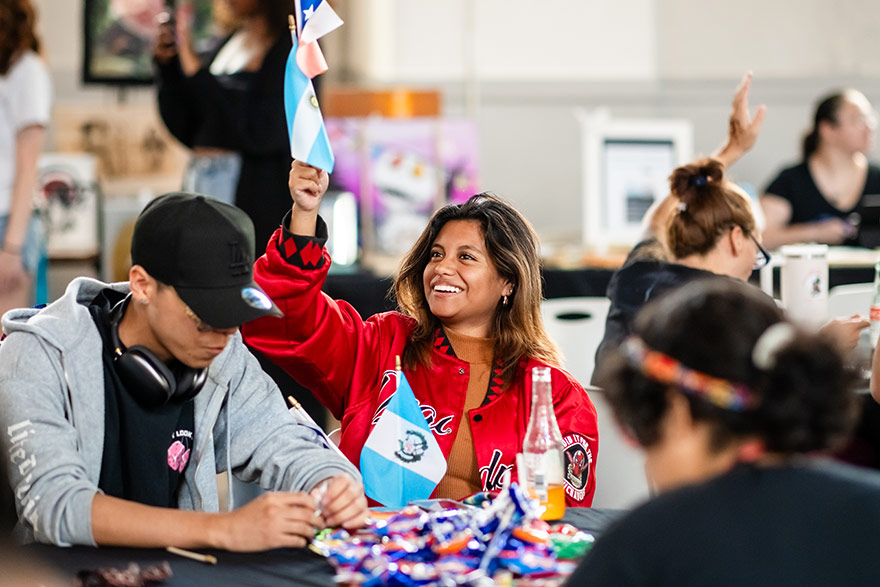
430, 41
777, 38
521, 68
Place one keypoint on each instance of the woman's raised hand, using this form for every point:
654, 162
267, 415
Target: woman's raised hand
307, 185
742, 128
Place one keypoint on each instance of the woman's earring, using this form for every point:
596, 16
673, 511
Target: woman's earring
504, 300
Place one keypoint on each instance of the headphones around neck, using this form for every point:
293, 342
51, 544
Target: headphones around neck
145, 376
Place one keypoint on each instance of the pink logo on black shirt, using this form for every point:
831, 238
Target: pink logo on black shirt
178, 456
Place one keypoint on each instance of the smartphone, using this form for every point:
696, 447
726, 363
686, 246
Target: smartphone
166, 20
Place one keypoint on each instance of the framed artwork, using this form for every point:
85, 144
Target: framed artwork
118, 38
68, 197
626, 169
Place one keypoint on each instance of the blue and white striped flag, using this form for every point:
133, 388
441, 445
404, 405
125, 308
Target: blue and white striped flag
401, 460
308, 137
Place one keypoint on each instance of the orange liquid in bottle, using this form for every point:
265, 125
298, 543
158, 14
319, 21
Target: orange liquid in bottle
555, 503
554, 507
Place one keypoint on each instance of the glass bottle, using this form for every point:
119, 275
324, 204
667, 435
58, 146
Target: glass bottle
542, 449
875, 308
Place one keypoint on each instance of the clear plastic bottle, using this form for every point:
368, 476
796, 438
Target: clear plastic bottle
542, 448
875, 308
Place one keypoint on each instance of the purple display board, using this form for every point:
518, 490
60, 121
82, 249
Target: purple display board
401, 170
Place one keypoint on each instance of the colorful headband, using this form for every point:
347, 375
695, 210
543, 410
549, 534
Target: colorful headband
664, 369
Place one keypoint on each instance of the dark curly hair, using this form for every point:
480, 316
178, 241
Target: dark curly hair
805, 401
17, 22
711, 205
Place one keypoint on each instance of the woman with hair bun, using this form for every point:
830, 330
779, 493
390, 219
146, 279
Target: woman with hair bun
704, 229
821, 198
710, 233
730, 419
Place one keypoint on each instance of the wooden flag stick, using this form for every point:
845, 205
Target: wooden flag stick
202, 558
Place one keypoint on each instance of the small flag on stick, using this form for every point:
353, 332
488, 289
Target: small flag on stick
401, 460
314, 19
308, 136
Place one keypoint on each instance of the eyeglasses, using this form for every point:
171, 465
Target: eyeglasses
201, 326
762, 257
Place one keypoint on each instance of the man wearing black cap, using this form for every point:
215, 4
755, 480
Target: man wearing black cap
121, 402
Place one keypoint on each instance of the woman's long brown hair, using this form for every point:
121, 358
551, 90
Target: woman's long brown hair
512, 244
17, 35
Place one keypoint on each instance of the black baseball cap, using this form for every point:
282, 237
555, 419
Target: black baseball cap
205, 249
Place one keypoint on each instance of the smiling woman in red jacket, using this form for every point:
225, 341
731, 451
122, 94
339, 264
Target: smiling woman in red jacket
469, 331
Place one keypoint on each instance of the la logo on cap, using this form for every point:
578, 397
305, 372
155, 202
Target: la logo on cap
238, 261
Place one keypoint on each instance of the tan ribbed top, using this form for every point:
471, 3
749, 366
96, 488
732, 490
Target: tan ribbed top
462, 474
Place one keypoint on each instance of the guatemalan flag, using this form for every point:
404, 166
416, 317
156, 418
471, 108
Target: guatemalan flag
401, 460
308, 137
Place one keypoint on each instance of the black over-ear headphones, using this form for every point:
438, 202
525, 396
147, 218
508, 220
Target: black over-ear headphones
145, 376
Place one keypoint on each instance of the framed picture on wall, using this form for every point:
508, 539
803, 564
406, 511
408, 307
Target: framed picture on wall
118, 37
626, 168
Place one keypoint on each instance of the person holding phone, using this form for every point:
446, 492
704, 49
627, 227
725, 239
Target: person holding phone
227, 106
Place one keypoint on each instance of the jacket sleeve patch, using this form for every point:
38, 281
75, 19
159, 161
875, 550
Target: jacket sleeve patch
578, 460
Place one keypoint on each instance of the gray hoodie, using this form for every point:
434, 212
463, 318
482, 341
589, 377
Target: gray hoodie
52, 416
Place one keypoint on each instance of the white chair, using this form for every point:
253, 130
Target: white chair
620, 469
846, 300
576, 325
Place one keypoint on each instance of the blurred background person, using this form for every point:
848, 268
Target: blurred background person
25, 111
227, 106
824, 198
730, 404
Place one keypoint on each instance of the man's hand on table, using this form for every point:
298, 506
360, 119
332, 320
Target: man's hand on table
342, 503
275, 519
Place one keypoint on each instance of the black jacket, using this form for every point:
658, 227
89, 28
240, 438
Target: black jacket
640, 280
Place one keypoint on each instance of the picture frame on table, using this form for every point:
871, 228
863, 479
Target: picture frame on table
118, 38
626, 167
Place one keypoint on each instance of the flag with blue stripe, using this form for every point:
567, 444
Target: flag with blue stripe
308, 137
401, 460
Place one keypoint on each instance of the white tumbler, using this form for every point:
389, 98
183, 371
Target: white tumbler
804, 283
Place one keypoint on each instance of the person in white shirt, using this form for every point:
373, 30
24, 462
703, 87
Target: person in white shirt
25, 108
